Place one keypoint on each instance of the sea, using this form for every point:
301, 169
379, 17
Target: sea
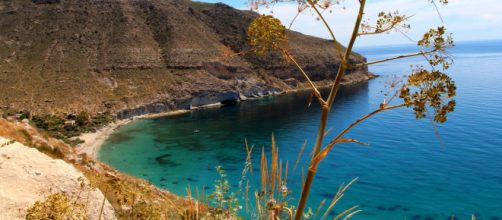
411, 169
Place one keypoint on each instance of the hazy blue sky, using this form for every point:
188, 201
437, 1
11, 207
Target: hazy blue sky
466, 19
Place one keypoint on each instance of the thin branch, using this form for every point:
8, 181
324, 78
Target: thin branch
248, 157
341, 69
404, 34
436, 130
300, 155
314, 88
345, 212
429, 62
327, 132
339, 194
319, 207
350, 140
375, 32
437, 10
337, 45
392, 58
293, 21
392, 97
336, 140
390, 27
352, 214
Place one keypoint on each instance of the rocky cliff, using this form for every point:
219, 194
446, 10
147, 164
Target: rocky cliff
34, 166
132, 57
27, 176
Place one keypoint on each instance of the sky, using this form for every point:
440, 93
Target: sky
468, 20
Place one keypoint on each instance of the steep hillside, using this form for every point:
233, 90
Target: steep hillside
28, 176
33, 166
133, 57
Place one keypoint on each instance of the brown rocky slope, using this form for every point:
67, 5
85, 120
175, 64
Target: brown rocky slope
35, 165
133, 57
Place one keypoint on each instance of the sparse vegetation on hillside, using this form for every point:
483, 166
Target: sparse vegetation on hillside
74, 125
425, 91
128, 195
137, 57
60, 206
57, 206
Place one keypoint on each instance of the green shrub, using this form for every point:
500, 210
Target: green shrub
83, 119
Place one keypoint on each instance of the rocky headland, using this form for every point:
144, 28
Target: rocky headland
132, 57
125, 58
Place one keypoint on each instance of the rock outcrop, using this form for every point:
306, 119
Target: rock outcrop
27, 176
132, 57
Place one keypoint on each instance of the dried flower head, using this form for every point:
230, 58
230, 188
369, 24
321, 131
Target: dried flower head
432, 90
271, 203
284, 190
437, 41
266, 34
385, 22
444, 2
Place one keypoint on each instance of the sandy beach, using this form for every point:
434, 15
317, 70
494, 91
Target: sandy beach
94, 140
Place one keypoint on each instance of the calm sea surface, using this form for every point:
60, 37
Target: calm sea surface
405, 173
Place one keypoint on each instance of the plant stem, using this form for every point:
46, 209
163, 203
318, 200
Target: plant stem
325, 112
314, 88
293, 21
341, 69
392, 58
328, 148
311, 173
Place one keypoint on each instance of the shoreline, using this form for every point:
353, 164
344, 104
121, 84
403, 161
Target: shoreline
93, 141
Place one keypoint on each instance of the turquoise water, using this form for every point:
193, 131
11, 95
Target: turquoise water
405, 173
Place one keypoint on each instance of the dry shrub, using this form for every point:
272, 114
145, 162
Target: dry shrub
57, 206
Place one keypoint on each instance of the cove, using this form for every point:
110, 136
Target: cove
405, 172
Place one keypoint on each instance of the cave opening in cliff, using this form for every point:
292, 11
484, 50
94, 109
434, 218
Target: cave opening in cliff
229, 102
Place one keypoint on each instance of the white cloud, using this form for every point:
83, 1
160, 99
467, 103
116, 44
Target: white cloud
466, 19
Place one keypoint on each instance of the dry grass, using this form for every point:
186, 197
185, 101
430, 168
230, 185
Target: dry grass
272, 201
132, 198
57, 206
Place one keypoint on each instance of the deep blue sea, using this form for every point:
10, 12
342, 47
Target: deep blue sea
405, 173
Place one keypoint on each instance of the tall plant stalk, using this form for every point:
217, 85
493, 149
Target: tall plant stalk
326, 107
431, 91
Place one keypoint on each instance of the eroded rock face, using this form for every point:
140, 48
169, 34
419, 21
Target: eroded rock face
28, 175
207, 98
197, 100
131, 57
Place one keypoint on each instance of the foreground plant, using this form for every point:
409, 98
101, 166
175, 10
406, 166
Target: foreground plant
224, 201
426, 90
61, 206
57, 206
